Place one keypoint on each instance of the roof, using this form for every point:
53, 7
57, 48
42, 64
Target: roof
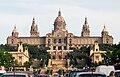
87, 37
117, 70
2, 71
23, 53
88, 73
15, 74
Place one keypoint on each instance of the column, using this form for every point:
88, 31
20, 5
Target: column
62, 51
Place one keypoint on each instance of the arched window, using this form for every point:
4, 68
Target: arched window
96, 49
107, 40
12, 41
48, 41
70, 40
20, 50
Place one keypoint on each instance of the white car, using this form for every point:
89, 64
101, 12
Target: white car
2, 72
105, 69
89, 74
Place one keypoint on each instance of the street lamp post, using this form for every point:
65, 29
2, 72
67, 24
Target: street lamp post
4, 59
106, 59
117, 59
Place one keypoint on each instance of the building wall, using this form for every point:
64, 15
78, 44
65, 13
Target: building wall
21, 57
75, 41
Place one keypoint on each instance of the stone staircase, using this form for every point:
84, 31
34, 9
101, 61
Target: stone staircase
58, 63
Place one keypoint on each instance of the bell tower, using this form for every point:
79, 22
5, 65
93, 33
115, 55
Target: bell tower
34, 29
85, 31
14, 32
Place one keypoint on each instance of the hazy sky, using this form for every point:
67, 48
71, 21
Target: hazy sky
21, 12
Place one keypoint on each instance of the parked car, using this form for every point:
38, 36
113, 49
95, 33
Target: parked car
89, 74
42, 75
15, 75
115, 73
73, 72
105, 69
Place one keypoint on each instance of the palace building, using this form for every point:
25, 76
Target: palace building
60, 41
60, 38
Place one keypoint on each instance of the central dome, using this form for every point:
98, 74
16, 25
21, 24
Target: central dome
59, 22
59, 18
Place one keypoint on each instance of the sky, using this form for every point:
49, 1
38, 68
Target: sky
20, 13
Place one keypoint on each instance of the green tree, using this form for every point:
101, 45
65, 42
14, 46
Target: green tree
7, 47
27, 64
6, 59
106, 47
39, 53
112, 53
80, 55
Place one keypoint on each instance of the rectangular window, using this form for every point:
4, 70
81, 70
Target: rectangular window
59, 48
55, 41
65, 40
60, 41
65, 48
54, 48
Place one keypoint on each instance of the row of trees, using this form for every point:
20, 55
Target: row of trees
78, 58
112, 56
81, 57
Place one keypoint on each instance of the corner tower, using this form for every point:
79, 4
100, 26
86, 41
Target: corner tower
106, 38
104, 31
85, 31
34, 29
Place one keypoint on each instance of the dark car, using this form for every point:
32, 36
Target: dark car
115, 73
73, 72
15, 75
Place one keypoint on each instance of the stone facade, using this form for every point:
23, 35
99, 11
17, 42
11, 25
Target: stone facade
59, 38
95, 54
